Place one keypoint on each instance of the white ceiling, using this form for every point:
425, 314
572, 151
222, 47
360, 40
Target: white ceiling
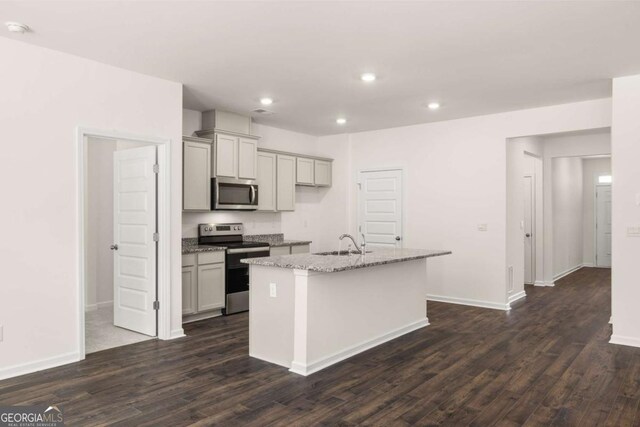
474, 57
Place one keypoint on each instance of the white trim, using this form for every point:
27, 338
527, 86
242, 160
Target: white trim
516, 297
94, 307
628, 341
177, 333
611, 320
164, 227
534, 231
315, 366
38, 365
471, 302
567, 272
403, 216
542, 283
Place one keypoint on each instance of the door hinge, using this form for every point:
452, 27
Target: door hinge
156, 305
156, 168
156, 237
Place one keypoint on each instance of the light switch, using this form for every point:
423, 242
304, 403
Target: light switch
273, 291
633, 231
521, 225
482, 227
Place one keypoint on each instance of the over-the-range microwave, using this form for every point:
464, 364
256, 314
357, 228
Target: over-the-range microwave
234, 194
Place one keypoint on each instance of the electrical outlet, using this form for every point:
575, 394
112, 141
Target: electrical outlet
482, 227
273, 291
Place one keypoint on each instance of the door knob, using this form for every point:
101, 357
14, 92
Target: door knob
114, 247
528, 235
398, 238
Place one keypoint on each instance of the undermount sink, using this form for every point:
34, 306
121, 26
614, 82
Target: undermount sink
342, 253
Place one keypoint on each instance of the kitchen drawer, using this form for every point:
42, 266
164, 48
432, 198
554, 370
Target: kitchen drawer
300, 249
188, 260
210, 257
280, 250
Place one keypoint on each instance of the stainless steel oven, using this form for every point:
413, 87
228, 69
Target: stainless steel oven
234, 194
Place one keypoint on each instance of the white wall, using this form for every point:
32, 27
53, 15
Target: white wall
46, 95
591, 168
625, 134
567, 214
456, 179
318, 210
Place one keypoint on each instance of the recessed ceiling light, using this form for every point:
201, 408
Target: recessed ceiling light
368, 77
433, 105
16, 27
341, 120
266, 101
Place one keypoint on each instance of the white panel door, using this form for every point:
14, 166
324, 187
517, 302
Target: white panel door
529, 212
134, 247
380, 208
603, 226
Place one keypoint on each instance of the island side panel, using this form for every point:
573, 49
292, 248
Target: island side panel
351, 311
271, 318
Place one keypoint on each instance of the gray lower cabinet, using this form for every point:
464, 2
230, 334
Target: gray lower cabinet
288, 250
203, 276
189, 280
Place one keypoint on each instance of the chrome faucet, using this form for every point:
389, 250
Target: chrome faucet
358, 248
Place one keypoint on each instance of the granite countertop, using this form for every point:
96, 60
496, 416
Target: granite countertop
274, 240
335, 263
190, 246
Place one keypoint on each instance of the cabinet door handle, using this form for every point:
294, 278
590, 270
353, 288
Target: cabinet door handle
398, 238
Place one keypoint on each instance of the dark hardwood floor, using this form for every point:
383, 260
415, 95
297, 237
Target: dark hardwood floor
546, 362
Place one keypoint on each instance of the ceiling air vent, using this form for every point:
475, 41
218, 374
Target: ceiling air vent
262, 111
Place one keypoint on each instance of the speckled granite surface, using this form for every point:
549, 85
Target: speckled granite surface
274, 240
335, 263
190, 246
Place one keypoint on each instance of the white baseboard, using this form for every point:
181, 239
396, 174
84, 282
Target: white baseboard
308, 369
38, 365
177, 333
516, 297
94, 307
542, 283
588, 264
567, 272
471, 302
628, 341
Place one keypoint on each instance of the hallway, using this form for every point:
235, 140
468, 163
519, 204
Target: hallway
547, 361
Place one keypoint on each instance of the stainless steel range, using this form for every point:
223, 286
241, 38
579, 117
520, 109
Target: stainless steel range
237, 274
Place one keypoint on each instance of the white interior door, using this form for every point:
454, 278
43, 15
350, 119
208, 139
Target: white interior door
529, 220
603, 226
380, 208
134, 203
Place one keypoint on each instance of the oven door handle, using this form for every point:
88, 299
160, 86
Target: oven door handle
248, 250
253, 194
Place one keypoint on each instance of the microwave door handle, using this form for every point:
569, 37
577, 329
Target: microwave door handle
253, 194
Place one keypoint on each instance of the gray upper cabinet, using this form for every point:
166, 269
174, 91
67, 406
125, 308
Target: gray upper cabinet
225, 156
235, 156
285, 183
322, 173
247, 158
304, 171
196, 174
266, 181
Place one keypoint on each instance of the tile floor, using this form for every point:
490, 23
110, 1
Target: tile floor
100, 334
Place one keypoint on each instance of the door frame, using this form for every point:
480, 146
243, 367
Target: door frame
595, 218
163, 213
534, 232
402, 196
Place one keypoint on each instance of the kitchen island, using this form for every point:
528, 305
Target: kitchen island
309, 311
